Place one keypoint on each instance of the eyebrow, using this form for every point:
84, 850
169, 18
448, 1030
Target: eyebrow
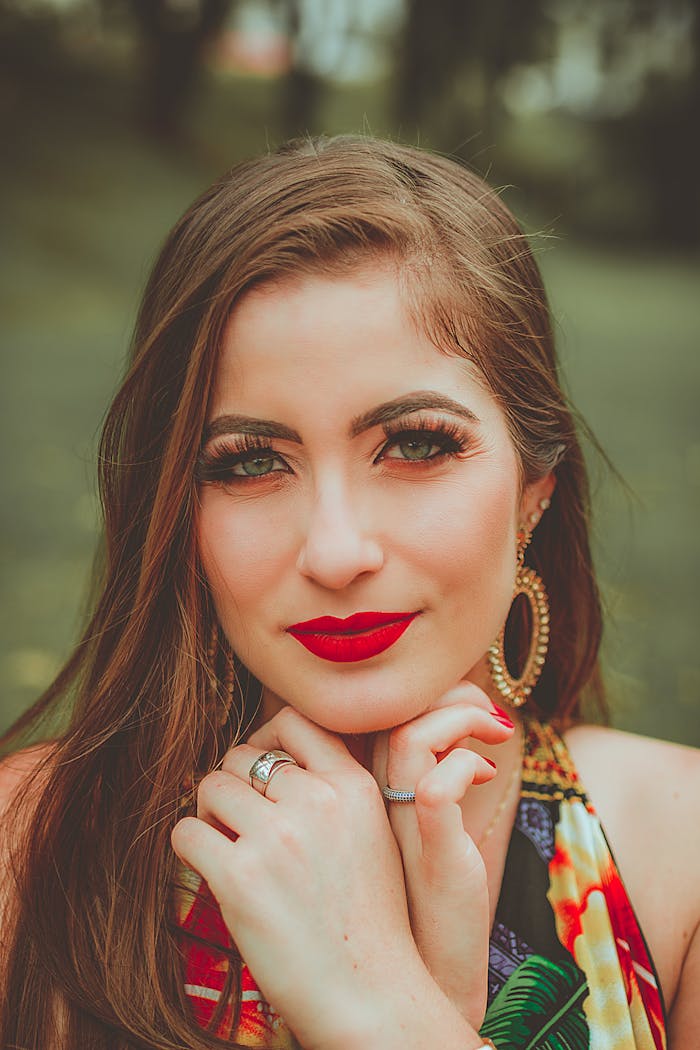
419, 400
233, 424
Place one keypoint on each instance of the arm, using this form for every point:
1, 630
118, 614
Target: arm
22, 776
684, 1019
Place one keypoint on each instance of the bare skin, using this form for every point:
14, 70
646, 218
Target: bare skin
337, 516
661, 877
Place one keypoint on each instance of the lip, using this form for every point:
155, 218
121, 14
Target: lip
357, 637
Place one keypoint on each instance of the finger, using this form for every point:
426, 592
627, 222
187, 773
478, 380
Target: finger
447, 880
419, 746
313, 747
202, 848
285, 780
229, 805
444, 842
415, 747
437, 813
471, 715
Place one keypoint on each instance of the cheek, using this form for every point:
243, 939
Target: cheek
241, 558
469, 533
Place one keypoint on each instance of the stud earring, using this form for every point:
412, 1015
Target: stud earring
528, 583
534, 518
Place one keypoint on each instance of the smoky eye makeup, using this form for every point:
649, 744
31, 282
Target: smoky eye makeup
412, 442
424, 439
237, 456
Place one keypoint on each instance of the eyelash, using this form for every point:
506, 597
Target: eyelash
216, 465
447, 434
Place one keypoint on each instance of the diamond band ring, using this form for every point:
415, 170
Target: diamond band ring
392, 795
265, 766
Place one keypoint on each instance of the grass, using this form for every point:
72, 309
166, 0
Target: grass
87, 201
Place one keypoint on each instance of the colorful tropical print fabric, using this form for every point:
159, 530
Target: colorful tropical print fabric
213, 970
568, 965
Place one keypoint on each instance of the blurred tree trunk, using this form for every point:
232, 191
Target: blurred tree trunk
432, 51
657, 143
453, 56
302, 87
174, 36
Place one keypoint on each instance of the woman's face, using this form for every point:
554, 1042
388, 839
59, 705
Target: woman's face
351, 467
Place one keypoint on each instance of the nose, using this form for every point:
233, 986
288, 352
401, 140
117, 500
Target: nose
337, 547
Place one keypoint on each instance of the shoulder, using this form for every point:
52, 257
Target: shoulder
596, 745
22, 770
646, 793
22, 776
636, 775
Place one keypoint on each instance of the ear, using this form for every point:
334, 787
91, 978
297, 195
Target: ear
535, 500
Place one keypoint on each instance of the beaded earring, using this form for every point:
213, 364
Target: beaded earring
517, 689
221, 675
220, 695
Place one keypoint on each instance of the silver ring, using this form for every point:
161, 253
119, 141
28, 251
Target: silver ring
265, 766
392, 795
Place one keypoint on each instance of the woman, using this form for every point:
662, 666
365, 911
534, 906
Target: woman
313, 758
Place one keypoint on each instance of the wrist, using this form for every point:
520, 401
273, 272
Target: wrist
410, 1012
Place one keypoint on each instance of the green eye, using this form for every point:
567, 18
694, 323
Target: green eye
416, 448
257, 467
423, 444
229, 466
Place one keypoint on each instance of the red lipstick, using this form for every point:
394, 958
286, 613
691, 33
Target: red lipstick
358, 637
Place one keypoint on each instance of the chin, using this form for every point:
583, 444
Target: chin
362, 714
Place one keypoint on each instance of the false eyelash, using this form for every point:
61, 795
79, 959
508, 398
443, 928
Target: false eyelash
214, 464
455, 437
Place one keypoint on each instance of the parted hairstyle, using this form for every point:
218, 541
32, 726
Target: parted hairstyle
93, 956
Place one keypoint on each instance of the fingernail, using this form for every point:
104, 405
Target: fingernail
490, 762
503, 719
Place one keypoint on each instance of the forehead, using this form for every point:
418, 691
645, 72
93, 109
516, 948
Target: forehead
310, 299
361, 323
330, 345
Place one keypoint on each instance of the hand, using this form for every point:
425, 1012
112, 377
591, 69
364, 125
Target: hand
312, 886
444, 872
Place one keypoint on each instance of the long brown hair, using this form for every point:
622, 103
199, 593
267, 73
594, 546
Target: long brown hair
93, 940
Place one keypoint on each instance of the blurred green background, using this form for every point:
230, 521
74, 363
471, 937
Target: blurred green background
115, 114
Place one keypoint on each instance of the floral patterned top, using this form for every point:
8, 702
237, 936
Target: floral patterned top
568, 965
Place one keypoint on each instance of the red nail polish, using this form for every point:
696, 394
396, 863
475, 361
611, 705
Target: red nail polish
503, 718
490, 762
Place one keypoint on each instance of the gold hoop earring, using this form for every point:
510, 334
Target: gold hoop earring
528, 583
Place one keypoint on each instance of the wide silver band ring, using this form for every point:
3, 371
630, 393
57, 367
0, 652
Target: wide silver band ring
392, 795
265, 766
